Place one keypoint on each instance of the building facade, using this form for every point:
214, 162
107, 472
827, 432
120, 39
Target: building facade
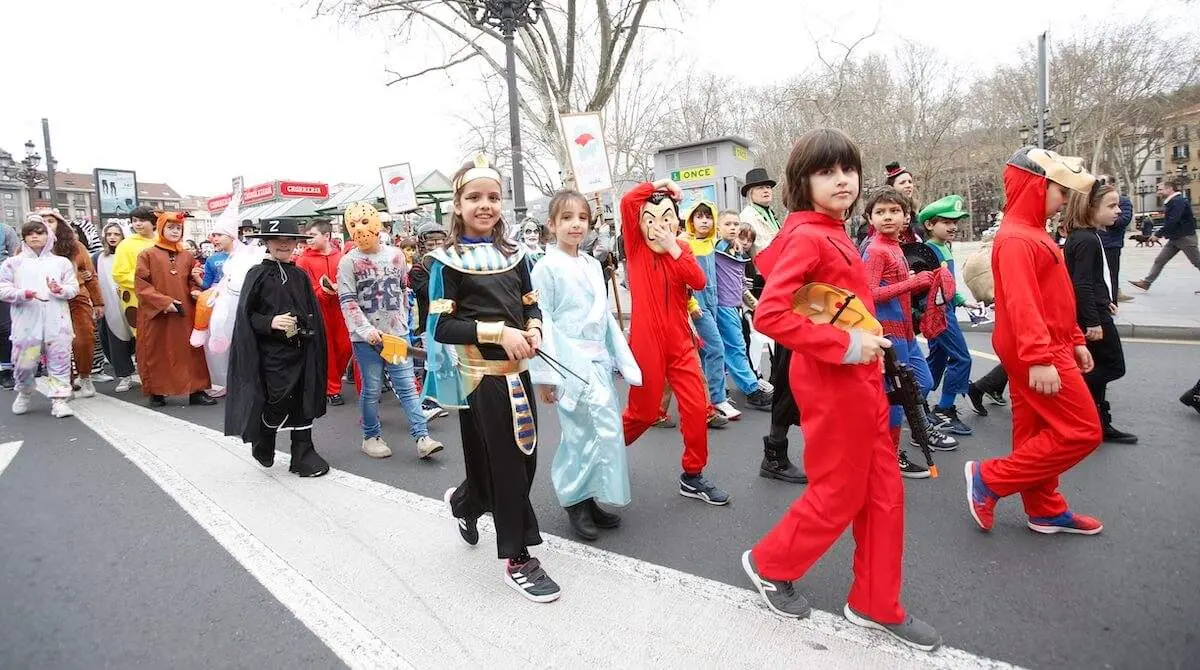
1182, 150
77, 198
12, 203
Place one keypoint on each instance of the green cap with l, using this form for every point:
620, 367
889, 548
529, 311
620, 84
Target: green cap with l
949, 207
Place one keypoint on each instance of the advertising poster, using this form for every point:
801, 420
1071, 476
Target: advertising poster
691, 194
584, 137
117, 191
399, 189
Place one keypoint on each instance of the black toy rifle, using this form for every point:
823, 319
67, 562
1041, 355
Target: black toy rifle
825, 303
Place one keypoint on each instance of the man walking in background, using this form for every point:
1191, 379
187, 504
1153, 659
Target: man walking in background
1178, 229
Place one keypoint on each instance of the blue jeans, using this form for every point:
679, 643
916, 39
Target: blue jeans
729, 322
372, 367
949, 356
909, 353
712, 356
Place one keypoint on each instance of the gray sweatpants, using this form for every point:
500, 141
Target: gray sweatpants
1186, 244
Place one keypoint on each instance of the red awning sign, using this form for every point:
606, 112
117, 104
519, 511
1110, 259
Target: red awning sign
303, 189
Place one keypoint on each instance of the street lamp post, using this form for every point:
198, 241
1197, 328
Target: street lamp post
1048, 138
24, 171
508, 16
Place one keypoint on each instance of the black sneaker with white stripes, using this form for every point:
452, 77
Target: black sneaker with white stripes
938, 441
530, 580
467, 528
910, 470
781, 596
696, 486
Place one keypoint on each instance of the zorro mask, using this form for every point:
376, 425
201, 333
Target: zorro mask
363, 225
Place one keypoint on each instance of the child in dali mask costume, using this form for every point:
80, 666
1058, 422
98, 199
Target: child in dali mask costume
586, 344
484, 323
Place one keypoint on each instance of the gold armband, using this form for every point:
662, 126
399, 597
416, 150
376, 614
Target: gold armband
530, 324
489, 332
530, 298
441, 306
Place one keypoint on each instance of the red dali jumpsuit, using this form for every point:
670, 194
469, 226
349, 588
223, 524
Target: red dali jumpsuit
1036, 325
660, 335
337, 338
849, 454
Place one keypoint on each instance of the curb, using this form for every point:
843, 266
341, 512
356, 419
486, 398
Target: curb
1126, 330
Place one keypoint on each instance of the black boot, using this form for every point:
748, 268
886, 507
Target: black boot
201, 398
602, 517
306, 462
1191, 397
775, 463
1112, 434
158, 401
581, 521
6, 380
264, 448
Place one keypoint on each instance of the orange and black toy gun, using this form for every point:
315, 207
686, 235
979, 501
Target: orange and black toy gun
825, 303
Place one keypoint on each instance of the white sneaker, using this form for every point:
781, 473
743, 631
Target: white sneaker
21, 404
375, 447
123, 385
86, 388
216, 392
728, 410
59, 408
100, 378
135, 379
434, 412
427, 446
764, 385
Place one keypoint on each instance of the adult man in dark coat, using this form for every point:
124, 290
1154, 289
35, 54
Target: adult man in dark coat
1179, 229
277, 363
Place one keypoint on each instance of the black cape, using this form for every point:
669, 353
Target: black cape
246, 387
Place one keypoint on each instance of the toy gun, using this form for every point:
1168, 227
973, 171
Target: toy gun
825, 303
395, 349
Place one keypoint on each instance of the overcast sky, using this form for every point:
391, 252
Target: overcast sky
193, 92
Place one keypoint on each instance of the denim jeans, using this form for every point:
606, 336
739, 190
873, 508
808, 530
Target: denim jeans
372, 367
729, 322
712, 355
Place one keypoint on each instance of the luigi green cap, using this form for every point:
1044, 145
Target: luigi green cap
949, 207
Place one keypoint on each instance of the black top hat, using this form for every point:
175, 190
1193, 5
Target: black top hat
247, 223
282, 227
757, 177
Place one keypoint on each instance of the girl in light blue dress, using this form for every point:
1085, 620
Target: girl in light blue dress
585, 346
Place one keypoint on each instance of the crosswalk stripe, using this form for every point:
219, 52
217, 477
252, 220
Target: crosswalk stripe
8, 451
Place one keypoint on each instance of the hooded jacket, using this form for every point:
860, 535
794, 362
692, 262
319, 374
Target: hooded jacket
702, 249
45, 317
658, 288
1035, 301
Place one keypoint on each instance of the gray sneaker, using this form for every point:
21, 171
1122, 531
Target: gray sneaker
781, 597
912, 632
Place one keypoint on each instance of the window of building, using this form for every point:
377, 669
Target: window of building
8, 196
1158, 165
43, 195
1181, 152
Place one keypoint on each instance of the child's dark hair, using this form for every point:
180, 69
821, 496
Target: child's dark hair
458, 227
30, 227
887, 194
64, 240
322, 225
817, 150
560, 200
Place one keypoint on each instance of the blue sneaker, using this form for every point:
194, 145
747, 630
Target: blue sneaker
1067, 522
951, 423
696, 486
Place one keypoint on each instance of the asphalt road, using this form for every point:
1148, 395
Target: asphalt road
1123, 599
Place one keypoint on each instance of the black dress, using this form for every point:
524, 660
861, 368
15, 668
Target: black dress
499, 472
1085, 262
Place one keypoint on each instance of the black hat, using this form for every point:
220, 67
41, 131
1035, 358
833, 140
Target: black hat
281, 227
757, 177
247, 223
920, 257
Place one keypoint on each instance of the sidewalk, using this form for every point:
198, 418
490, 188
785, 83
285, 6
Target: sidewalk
1170, 310
381, 576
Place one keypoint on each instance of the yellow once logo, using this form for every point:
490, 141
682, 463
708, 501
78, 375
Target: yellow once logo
695, 174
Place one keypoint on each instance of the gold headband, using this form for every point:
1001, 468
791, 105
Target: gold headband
481, 170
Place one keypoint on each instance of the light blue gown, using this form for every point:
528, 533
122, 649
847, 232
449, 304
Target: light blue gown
581, 333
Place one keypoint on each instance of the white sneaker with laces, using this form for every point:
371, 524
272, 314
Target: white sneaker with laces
135, 378
434, 412
123, 385
766, 386
427, 446
21, 403
59, 408
100, 377
375, 447
729, 410
86, 388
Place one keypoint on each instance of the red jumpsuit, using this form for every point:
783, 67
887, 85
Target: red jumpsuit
1036, 325
660, 335
848, 451
337, 338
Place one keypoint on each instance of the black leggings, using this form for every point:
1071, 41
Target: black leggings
995, 381
1109, 358
784, 411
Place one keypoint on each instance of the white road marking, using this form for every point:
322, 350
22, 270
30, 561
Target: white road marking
361, 598
8, 451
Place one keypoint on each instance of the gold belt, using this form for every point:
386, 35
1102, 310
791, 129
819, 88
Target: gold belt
472, 364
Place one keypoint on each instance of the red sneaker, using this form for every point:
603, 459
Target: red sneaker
980, 501
1067, 522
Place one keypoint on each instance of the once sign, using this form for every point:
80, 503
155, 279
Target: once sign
694, 174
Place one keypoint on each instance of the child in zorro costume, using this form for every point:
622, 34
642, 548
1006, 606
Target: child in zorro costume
949, 358
586, 344
661, 271
892, 288
1055, 422
836, 376
484, 324
277, 359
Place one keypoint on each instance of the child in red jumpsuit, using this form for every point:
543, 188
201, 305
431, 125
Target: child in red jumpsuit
1055, 422
836, 377
660, 272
